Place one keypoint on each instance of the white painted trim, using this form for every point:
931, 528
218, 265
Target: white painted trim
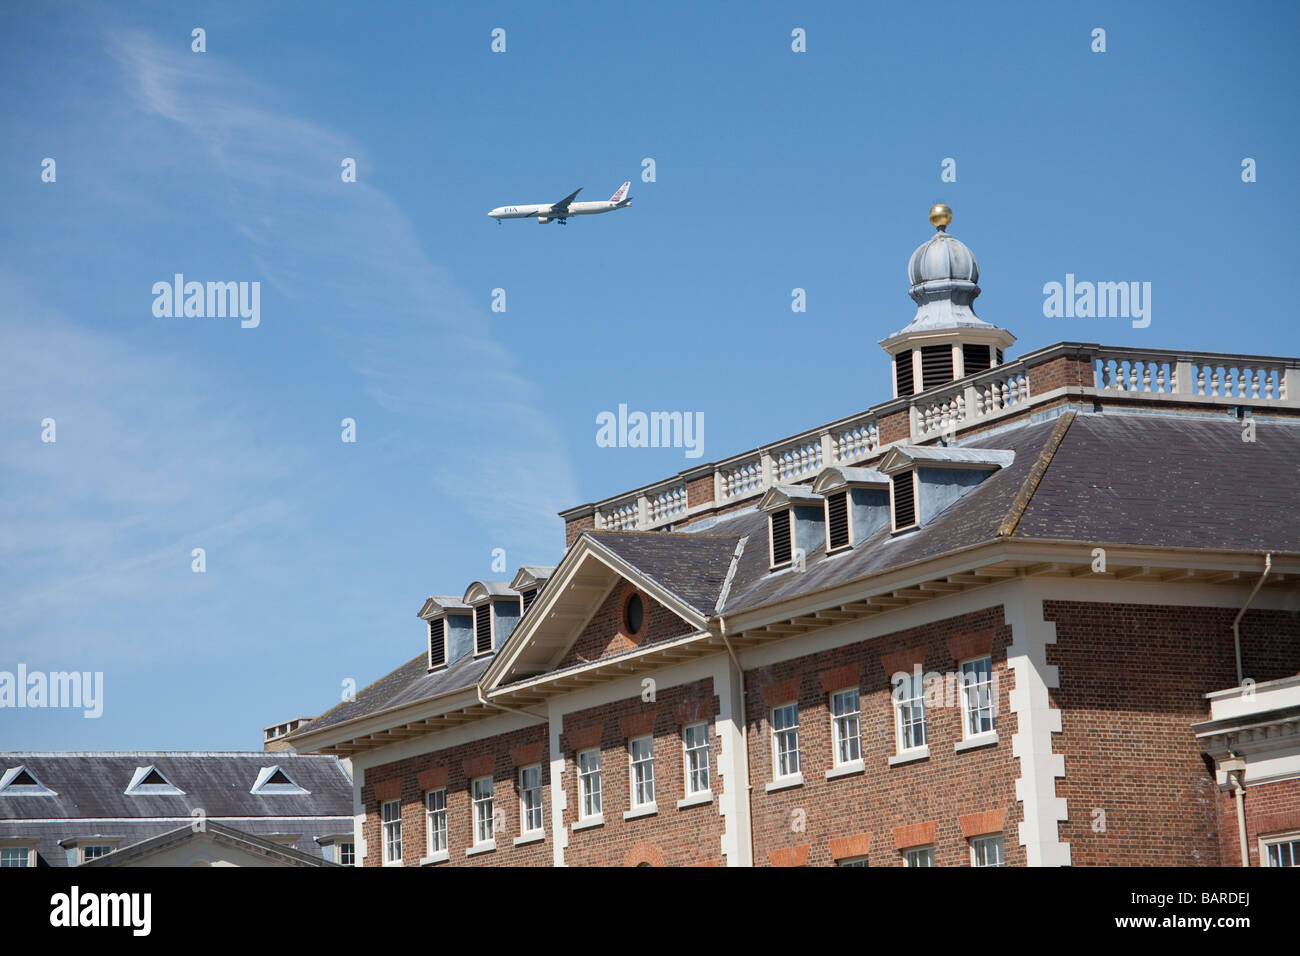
485, 847
1036, 721
586, 824
974, 743
910, 756
532, 836
649, 810
695, 799
849, 769
442, 856
785, 783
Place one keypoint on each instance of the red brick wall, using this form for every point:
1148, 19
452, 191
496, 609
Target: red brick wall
869, 807
1060, 372
1271, 808
605, 633
574, 528
1133, 680
672, 837
699, 490
497, 753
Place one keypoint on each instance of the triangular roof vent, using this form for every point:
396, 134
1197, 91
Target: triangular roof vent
149, 781
21, 782
275, 780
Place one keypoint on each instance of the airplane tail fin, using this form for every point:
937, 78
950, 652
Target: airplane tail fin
622, 192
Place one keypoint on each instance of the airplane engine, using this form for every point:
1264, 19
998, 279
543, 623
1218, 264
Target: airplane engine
543, 220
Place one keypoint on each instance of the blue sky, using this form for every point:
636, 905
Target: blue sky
774, 170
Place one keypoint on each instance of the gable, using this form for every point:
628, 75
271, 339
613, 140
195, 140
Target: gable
609, 633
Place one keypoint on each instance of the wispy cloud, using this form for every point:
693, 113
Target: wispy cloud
351, 270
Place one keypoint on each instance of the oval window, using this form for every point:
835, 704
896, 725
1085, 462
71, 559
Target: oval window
634, 614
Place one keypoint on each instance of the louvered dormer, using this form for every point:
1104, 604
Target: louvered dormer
856, 504
925, 480
497, 610
796, 523
945, 340
528, 582
450, 629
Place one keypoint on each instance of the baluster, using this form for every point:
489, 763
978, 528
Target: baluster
1160, 378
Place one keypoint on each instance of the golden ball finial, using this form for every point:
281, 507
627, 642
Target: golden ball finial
940, 215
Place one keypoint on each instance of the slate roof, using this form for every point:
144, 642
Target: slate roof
1141, 479
90, 787
691, 566
276, 854
409, 683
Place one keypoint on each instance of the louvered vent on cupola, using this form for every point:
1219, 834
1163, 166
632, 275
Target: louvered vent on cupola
437, 642
796, 524
936, 366
903, 379
974, 358
856, 503
483, 628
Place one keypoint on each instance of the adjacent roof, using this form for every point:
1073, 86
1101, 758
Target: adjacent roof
273, 852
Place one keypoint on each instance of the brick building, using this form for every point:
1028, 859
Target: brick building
1039, 611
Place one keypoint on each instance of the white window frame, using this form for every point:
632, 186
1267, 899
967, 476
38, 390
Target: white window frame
350, 853
699, 748
483, 806
852, 861
840, 727
966, 689
589, 794
641, 770
778, 751
900, 725
84, 851
1267, 843
13, 852
913, 856
435, 821
987, 840
391, 830
530, 800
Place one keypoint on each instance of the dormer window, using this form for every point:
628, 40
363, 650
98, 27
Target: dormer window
437, 642
274, 780
21, 782
149, 781
778, 524
838, 534
526, 599
903, 500
483, 628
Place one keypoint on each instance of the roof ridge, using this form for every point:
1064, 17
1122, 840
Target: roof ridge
1029, 486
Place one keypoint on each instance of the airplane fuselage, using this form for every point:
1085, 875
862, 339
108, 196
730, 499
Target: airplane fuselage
543, 211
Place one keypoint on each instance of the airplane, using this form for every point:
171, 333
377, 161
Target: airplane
565, 208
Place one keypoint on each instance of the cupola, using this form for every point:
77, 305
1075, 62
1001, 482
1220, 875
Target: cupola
945, 340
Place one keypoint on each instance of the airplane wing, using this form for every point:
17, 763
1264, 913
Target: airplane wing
563, 205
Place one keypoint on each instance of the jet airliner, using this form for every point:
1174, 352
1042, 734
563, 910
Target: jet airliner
565, 208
